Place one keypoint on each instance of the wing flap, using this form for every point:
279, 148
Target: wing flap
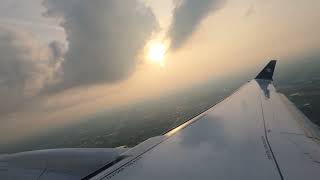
294, 147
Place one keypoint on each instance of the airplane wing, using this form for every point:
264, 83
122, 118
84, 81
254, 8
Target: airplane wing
256, 133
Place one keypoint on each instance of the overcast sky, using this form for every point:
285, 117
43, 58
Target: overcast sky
63, 60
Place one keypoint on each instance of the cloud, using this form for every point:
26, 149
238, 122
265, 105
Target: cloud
104, 38
26, 67
187, 15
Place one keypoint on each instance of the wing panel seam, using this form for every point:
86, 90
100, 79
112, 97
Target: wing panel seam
267, 140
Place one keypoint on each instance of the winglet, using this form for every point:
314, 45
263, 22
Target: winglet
267, 72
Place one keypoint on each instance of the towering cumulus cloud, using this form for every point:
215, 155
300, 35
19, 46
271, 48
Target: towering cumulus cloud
104, 37
26, 67
187, 16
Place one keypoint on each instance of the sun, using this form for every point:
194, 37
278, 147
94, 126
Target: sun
156, 52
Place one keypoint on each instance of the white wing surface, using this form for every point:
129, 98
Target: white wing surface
256, 133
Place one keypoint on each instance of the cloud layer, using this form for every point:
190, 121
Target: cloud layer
187, 15
104, 38
26, 67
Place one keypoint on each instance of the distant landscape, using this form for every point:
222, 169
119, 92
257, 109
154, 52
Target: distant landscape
128, 126
300, 82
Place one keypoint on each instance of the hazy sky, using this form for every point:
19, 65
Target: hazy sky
62, 61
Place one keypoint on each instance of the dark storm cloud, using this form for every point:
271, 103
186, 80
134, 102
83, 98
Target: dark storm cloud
187, 16
104, 37
26, 67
